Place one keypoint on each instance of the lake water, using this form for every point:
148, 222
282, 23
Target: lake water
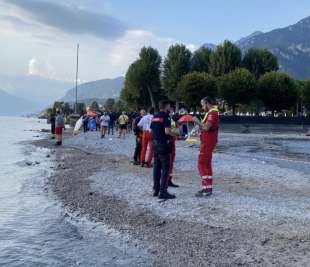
34, 229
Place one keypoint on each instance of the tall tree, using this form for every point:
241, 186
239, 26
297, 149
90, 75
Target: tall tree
176, 65
237, 87
305, 94
260, 61
196, 85
109, 104
277, 91
226, 58
94, 106
142, 81
201, 60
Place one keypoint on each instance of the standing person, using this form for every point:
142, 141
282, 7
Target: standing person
161, 128
59, 126
111, 123
145, 126
53, 120
98, 122
209, 127
85, 123
173, 140
104, 123
123, 121
138, 133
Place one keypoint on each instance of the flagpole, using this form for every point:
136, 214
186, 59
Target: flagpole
76, 77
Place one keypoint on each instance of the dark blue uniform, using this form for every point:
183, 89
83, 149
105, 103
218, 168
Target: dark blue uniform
161, 150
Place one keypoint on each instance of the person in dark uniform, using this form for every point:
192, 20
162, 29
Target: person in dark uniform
161, 128
53, 121
138, 134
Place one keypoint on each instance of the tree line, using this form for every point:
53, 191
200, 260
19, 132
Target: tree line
250, 82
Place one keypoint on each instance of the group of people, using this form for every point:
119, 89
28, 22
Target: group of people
108, 122
156, 135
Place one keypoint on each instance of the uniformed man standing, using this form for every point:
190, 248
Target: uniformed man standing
209, 127
161, 128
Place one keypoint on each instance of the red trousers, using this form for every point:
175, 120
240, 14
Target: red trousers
208, 143
172, 159
146, 146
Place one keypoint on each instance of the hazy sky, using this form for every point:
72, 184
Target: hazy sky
38, 37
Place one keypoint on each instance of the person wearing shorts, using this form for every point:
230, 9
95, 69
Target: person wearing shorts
123, 121
59, 126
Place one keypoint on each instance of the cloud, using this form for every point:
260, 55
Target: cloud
71, 19
126, 49
43, 69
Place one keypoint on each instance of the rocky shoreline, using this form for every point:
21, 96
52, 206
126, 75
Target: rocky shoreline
85, 179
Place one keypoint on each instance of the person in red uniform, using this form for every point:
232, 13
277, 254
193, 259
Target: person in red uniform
145, 125
209, 127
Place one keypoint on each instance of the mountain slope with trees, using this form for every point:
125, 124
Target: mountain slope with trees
291, 45
100, 89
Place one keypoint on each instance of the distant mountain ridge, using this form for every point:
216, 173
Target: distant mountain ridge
14, 106
290, 44
100, 89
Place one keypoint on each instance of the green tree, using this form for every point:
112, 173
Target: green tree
80, 108
177, 63
142, 80
201, 60
278, 91
109, 104
67, 110
226, 58
305, 94
94, 106
260, 61
194, 86
237, 87
58, 105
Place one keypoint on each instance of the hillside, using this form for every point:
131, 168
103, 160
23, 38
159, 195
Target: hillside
13, 106
30, 87
101, 89
290, 44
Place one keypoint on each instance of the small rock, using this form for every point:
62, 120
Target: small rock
48, 155
265, 241
160, 224
28, 163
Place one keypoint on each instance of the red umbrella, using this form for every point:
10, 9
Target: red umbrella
186, 118
92, 113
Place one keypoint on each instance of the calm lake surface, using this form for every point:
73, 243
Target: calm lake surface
34, 229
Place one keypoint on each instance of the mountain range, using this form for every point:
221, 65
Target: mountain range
11, 105
290, 44
100, 89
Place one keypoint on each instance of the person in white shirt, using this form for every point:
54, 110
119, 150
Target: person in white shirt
145, 125
104, 123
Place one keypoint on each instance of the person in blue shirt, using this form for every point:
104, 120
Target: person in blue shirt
161, 129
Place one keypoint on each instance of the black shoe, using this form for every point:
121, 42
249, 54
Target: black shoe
143, 164
155, 194
166, 195
149, 165
171, 184
136, 163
